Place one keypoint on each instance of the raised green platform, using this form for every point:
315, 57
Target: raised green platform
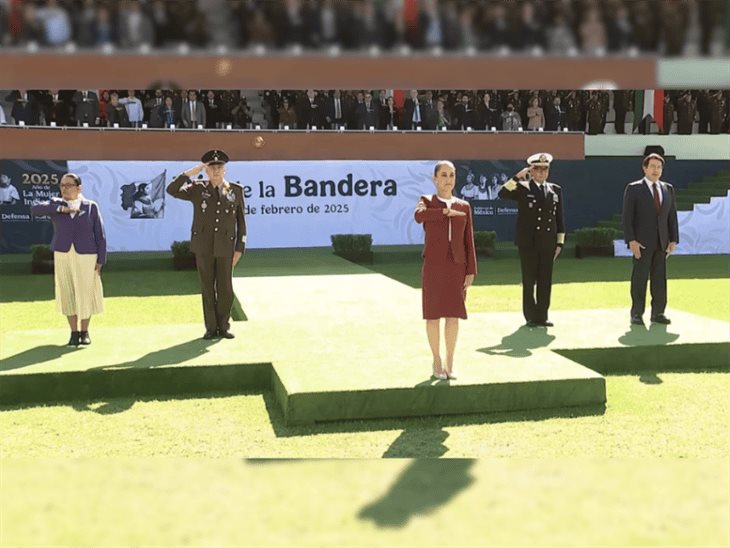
336, 341
373, 367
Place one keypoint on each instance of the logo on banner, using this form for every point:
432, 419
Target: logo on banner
145, 199
483, 186
8, 193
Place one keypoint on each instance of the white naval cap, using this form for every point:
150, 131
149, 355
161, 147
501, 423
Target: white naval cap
540, 159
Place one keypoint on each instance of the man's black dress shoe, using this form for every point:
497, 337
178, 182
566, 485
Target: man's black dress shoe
661, 318
637, 320
84, 337
209, 335
75, 338
546, 323
226, 334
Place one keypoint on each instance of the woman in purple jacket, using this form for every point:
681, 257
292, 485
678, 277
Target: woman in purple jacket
79, 251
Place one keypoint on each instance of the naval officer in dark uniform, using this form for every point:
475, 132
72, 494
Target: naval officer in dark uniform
218, 236
540, 233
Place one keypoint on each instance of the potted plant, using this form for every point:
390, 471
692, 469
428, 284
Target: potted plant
41, 259
484, 242
353, 247
597, 242
182, 257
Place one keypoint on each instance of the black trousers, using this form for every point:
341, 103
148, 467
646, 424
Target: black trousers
620, 122
537, 271
216, 287
652, 265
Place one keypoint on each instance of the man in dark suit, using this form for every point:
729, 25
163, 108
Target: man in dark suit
412, 111
554, 115
338, 109
218, 236
25, 107
540, 233
87, 107
621, 105
367, 113
55, 108
652, 233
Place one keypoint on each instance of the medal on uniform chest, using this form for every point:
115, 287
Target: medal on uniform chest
203, 206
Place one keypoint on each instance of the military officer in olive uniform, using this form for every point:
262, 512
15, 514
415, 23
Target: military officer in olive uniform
540, 233
218, 236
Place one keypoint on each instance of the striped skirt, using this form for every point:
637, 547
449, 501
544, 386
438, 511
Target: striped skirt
78, 286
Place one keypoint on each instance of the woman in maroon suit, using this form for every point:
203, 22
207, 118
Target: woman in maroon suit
449, 263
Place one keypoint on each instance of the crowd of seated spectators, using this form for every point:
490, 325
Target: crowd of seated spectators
589, 111
671, 28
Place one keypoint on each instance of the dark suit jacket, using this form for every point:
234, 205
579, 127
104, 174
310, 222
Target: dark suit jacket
117, 115
345, 108
367, 117
407, 118
86, 111
436, 225
539, 219
219, 225
641, 220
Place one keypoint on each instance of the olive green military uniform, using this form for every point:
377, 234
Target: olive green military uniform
219, 229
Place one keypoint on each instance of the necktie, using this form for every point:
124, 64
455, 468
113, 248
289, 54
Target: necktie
657, 202
338, 110
416, 114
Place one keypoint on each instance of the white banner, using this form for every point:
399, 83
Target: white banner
702, 231
289, 204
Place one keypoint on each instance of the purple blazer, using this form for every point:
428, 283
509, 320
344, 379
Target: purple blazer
85, 230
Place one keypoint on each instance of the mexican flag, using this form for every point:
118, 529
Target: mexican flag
649, 102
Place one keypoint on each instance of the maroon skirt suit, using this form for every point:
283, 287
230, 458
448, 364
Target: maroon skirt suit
448, 256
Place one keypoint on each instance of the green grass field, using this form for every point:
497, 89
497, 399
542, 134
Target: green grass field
472, 503
650, 470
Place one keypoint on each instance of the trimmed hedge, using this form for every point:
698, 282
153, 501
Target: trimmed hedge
484, 242
597, 242
41, 259
182, 257
596, 237
353, 247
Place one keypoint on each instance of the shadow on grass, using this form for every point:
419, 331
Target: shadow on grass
639, 335
422, 488
171, 355
519, 343
32, 356
114, 406
650, 377
415, 443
